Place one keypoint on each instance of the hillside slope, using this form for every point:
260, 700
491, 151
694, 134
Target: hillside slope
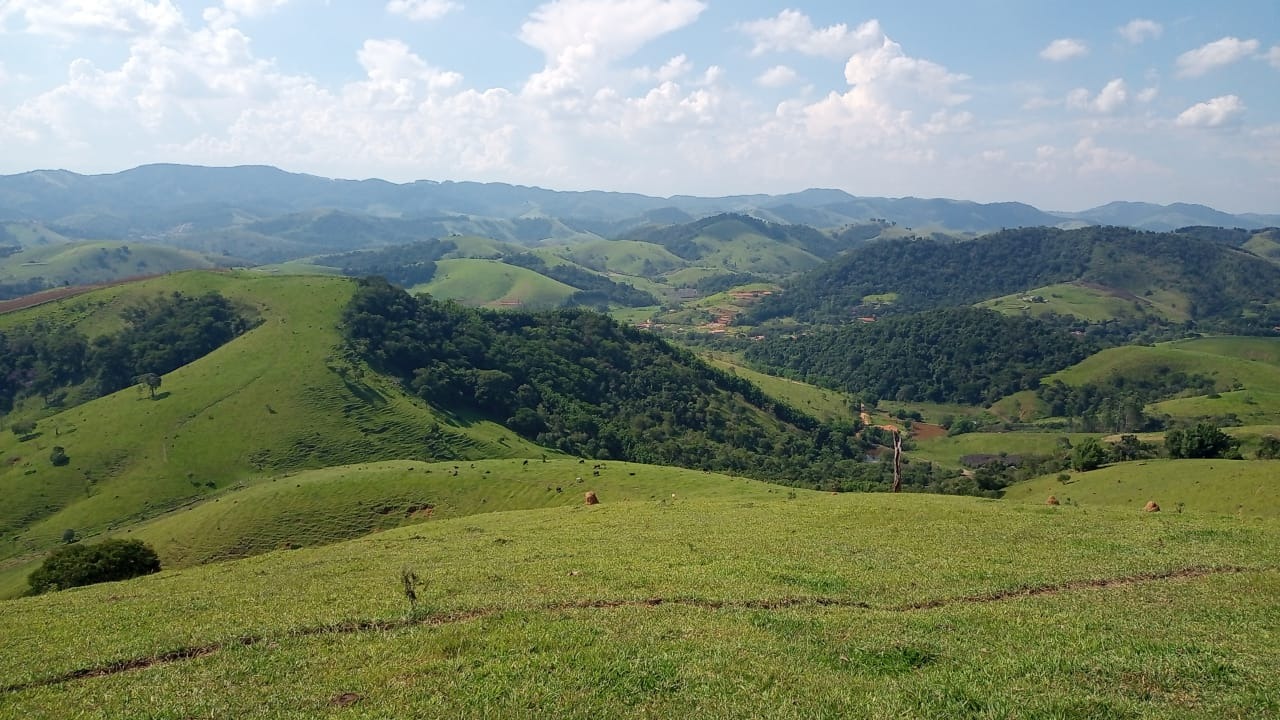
281, 397
854, 606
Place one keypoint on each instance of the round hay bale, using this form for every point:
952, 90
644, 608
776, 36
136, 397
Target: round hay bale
1151, 506
1052, 501
590, 498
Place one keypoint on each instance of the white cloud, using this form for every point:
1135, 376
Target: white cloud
1064, 49
1214, 55
1212, 113
253, 8
792, 30
1273, 56
1146, 95
68, 19
581, 38
422, 10
776, 77
673, 69
1112, 97
1092, 159
1140, 30
397, 77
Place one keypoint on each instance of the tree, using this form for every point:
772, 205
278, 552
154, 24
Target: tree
1130, 447
1270, 448
150, 381
1088, 455
1205, 440
23, 428
75, 565
58, 456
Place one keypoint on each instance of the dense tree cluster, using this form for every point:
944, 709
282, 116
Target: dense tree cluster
160, 335
1218, 279
77, 565
1116, 403
579, 382
405, 265
1205, 440
957, 355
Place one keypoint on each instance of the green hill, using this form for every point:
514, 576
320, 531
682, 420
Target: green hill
1088, 301
857, 606
281, 397
1249, 489
626, 257
1180, 275
95, 262
494, 283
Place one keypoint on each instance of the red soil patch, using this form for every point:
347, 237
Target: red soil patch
48, 296
927, 431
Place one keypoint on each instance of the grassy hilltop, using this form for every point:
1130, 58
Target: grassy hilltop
755, 603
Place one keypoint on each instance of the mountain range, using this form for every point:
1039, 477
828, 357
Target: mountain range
180, 200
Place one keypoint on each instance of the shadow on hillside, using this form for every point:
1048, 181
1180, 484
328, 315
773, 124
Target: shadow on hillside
367, 393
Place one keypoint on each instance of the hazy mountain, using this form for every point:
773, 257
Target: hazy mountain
226, 209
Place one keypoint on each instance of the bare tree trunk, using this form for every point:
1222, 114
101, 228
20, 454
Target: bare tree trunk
897, 461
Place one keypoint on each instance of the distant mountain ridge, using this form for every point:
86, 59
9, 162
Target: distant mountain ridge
183, 200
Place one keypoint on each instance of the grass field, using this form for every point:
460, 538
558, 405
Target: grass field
494, 283
1089, 302
95, 262
627, 257
1244, 488
280, 398
947, 451
329, 505
863, 606
819, 402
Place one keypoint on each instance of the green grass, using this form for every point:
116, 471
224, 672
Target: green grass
494, 283
1261, 349
837, 606
819, 402
324, 506
95, 262
304, 266
282, 397
32, 234
1092, 303
628, 257
947, 451
1244, 488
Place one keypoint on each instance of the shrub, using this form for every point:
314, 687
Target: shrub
22, 428
58, 456
76, 565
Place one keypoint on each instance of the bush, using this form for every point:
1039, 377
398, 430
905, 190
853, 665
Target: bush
76, 565
22, 428
58, 456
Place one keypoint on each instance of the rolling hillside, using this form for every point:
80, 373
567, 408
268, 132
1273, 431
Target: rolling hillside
59, 264
495, 284
281, 397
855, 606
1183, 276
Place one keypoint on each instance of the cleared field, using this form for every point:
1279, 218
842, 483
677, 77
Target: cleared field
947, 451
820, 402
496, 284
627, 257
838, 606
1242, 488
1087, 301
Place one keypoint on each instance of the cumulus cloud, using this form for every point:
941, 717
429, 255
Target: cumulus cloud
1146, 95
1064, 49
422, 10
69, 19
1139, 30
673, 69
581, 38
1112, 97
1212, 113
776, 77
252, 8
793, 31
1214, 55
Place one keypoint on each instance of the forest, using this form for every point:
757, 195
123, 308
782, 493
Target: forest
1218, 279
583, 384
957, 355
160, 335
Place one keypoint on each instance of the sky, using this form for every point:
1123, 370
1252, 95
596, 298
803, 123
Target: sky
1064, 105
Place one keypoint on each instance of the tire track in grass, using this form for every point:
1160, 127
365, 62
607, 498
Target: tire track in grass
387, 625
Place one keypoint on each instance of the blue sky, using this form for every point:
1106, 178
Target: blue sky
1061, 104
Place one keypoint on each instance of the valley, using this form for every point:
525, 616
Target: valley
623, 459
